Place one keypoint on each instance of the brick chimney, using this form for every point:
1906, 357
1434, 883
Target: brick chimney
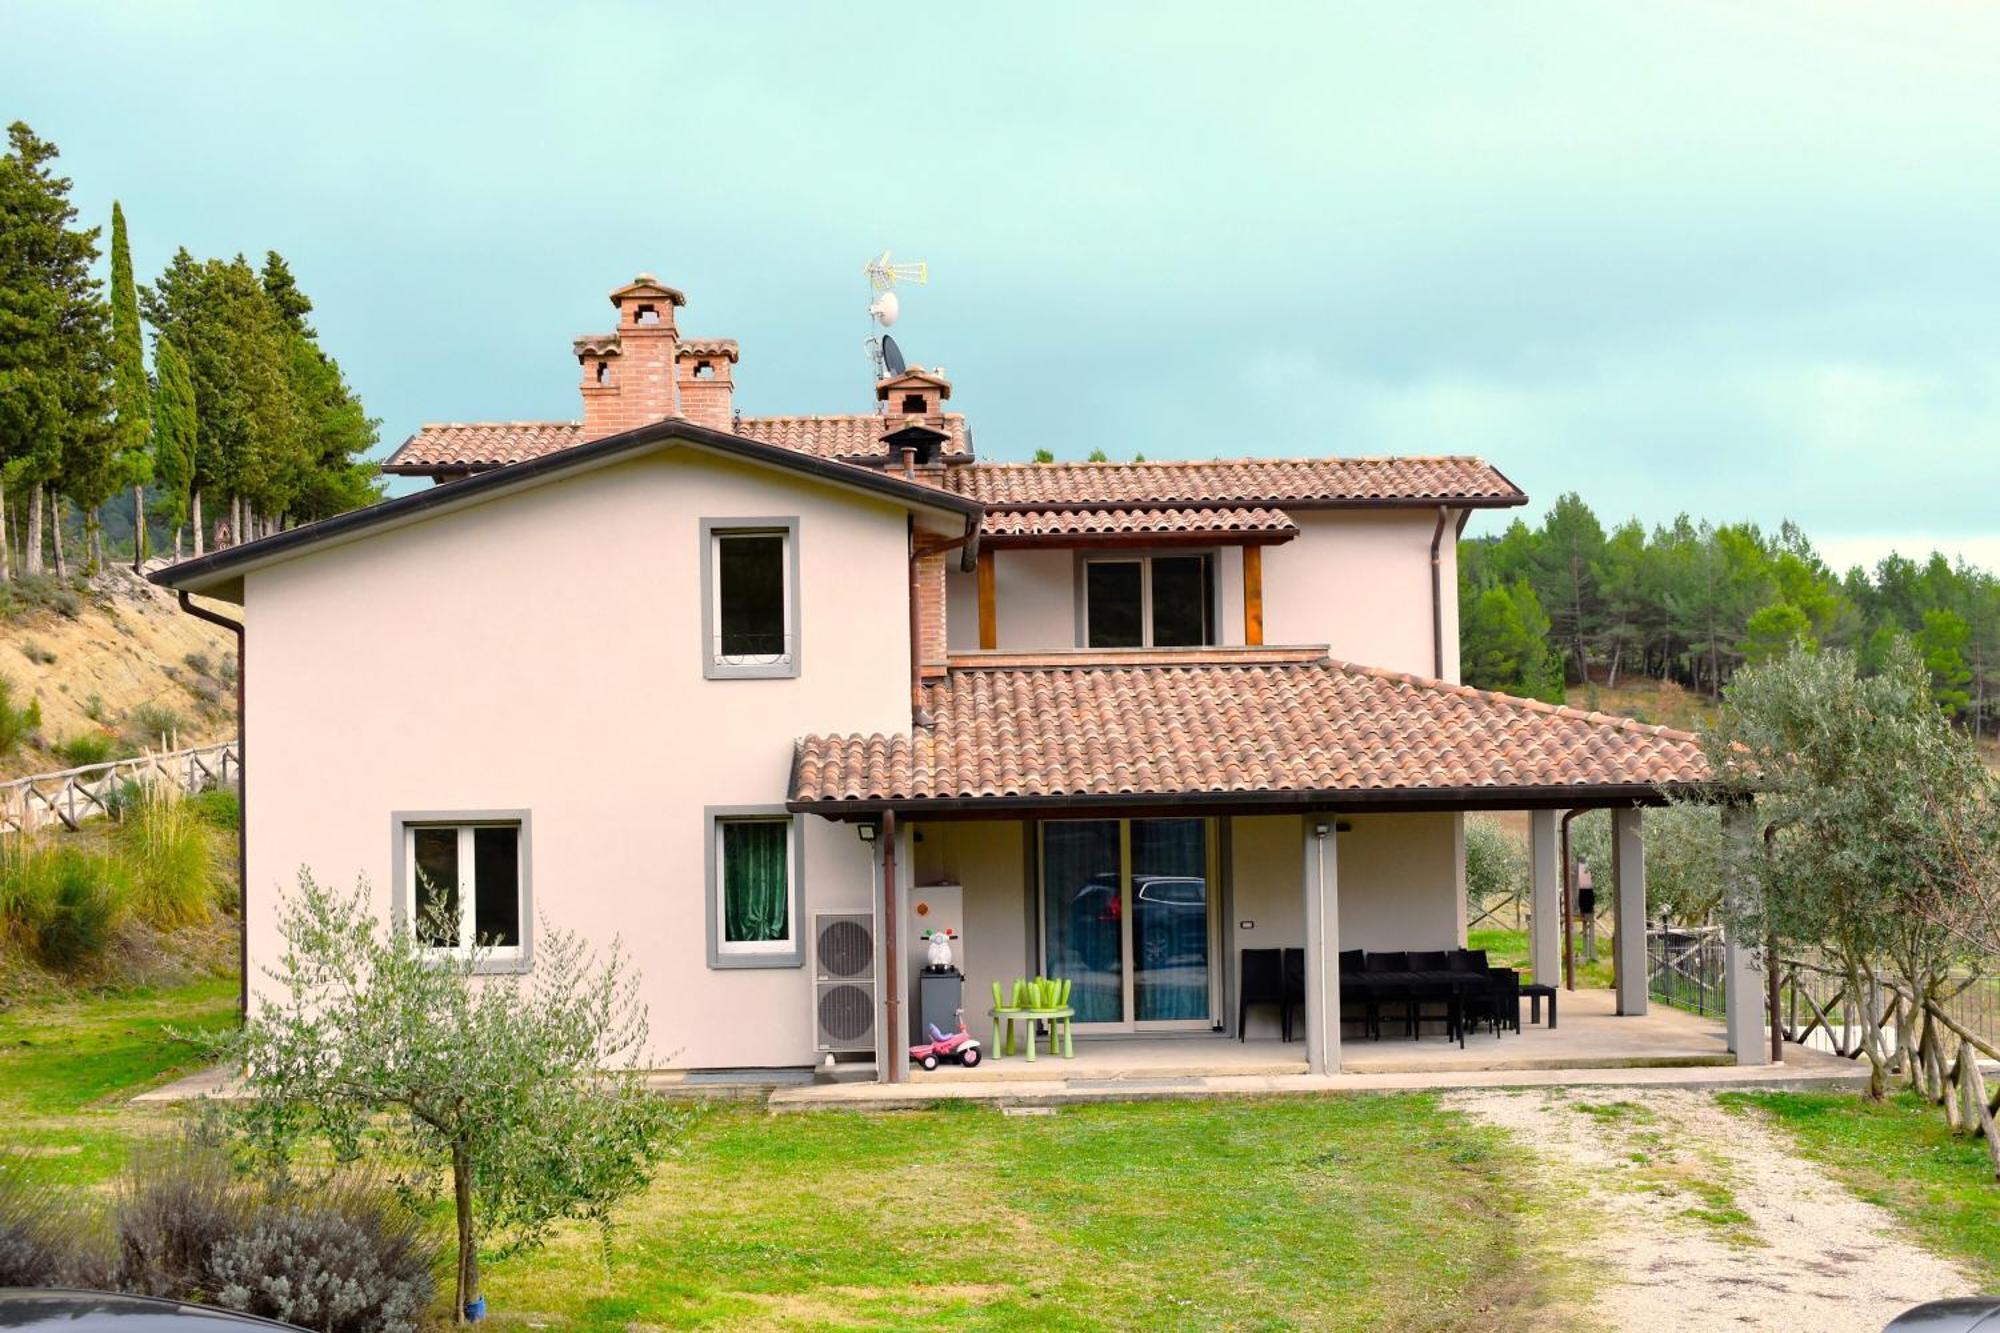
628, 376
914, 393
701, 374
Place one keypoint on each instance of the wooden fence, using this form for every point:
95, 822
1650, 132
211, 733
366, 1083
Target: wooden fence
96, 790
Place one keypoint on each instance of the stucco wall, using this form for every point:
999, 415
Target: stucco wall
988, 860
1358, 581
543, 652
1401, 883
1265, 861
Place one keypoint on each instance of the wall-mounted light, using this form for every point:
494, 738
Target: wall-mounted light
867, 831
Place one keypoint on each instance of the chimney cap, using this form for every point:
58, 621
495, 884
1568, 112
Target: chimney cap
647, 285
690, 348
915, 375
595, 344
913, 433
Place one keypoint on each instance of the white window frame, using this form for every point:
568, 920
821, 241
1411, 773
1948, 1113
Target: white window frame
1144, 559
510, 957
714, 664
786, 952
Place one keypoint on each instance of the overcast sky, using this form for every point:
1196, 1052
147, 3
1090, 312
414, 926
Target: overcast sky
1738, 260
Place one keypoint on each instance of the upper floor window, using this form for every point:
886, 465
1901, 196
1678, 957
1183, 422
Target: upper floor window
1151, 601
463, 885
750, 611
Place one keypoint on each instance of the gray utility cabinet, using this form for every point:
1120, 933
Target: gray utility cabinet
940, 995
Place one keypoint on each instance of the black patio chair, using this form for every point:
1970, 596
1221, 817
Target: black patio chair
1497, 1004
1260, 980
1436, 984
1357, 1001
1390, 981
1295, 986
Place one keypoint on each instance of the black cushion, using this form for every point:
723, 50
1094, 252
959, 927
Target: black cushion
1386, 961
1429, 960
1468, 960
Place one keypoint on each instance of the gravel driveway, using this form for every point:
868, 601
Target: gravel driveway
1691, 1217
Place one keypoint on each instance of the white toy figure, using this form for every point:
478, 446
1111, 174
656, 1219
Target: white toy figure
940, 954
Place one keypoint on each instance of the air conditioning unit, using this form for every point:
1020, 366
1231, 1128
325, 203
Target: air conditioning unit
844, 980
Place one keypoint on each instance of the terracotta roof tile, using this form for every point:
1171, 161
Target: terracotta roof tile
1008, 526
1241, 481
1312, 727
483, 444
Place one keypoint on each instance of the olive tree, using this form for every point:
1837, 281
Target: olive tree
1865, 803
522, 1089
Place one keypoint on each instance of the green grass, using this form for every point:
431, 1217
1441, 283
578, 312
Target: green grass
1898, 1154
1509, 948
67, 1068
1360, 1211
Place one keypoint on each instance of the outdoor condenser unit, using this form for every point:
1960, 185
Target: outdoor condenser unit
844, 981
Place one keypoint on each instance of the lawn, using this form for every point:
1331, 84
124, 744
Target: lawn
67, 1068
1360, 1212
1509, 948
1898, 1154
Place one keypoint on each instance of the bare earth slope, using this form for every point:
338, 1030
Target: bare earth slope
128, 665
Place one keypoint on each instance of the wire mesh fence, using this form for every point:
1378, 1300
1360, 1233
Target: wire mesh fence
1684, 969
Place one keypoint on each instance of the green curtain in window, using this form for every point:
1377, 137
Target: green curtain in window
756, 898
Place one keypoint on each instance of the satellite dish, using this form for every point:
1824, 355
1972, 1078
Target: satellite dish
885, 308
892, 356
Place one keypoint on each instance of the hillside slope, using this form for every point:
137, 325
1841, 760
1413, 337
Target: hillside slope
114, 661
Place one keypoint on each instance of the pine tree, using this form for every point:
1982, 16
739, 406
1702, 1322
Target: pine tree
55, 353
174, 427
132, 460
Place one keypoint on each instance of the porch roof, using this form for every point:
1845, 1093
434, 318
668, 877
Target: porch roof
1259, 728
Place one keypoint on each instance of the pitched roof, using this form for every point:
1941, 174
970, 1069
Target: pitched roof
217, 572
1022, 527
1263, 723
455, 445
1297, 482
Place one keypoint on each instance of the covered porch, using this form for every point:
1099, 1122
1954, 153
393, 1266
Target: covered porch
1159, 833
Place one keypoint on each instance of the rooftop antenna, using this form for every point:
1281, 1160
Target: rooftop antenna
883, 274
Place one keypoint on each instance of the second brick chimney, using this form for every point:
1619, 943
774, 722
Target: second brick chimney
701, 375
628, 376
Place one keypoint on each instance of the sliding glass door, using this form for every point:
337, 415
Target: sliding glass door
1129, 918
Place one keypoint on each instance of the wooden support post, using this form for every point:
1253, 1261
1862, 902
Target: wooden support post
1253, 595
989, 621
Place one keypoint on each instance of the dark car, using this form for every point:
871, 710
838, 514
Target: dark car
1964, 1315
79, 1311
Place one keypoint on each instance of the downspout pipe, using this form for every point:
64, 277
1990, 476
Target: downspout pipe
1437, 594
892, 980
1569, 943
242, 801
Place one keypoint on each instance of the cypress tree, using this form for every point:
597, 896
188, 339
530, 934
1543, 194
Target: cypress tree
174, 426
130, 392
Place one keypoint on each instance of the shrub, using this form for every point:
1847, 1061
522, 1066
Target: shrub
345, 1258
227, 671
149, 723
93, 708
37, 654
16, 724
45, 1241
85, 748
197, 663
172, 858
218, 807
61, 901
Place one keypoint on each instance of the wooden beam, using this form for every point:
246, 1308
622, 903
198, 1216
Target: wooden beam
989, 625
1253, 595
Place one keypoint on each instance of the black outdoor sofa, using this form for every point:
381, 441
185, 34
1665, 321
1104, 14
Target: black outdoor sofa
1453, 985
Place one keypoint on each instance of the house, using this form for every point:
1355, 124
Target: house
766, 697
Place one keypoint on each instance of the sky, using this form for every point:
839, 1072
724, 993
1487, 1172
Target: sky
1731, 260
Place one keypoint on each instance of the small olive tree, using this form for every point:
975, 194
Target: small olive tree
1866, 802
1684, 849
1496, 864
524, 1089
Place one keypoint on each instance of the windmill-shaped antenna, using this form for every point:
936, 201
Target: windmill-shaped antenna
883, 274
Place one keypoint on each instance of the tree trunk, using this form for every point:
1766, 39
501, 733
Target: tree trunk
468, 1252
55, 533
177, 543
6, 538
235, 520
32, 557
197, 523
138, 529
1617, 654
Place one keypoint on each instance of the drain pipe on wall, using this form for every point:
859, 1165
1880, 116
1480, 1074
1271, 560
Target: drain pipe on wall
242, 801
894, 1040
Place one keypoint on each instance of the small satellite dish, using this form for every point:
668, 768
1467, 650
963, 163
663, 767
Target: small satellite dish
892, 356
885, 308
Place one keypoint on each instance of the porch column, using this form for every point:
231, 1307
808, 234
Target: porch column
1321, 878
1628, 868
1742, 977
1544, 899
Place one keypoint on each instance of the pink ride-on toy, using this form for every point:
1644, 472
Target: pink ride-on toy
961, 1047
